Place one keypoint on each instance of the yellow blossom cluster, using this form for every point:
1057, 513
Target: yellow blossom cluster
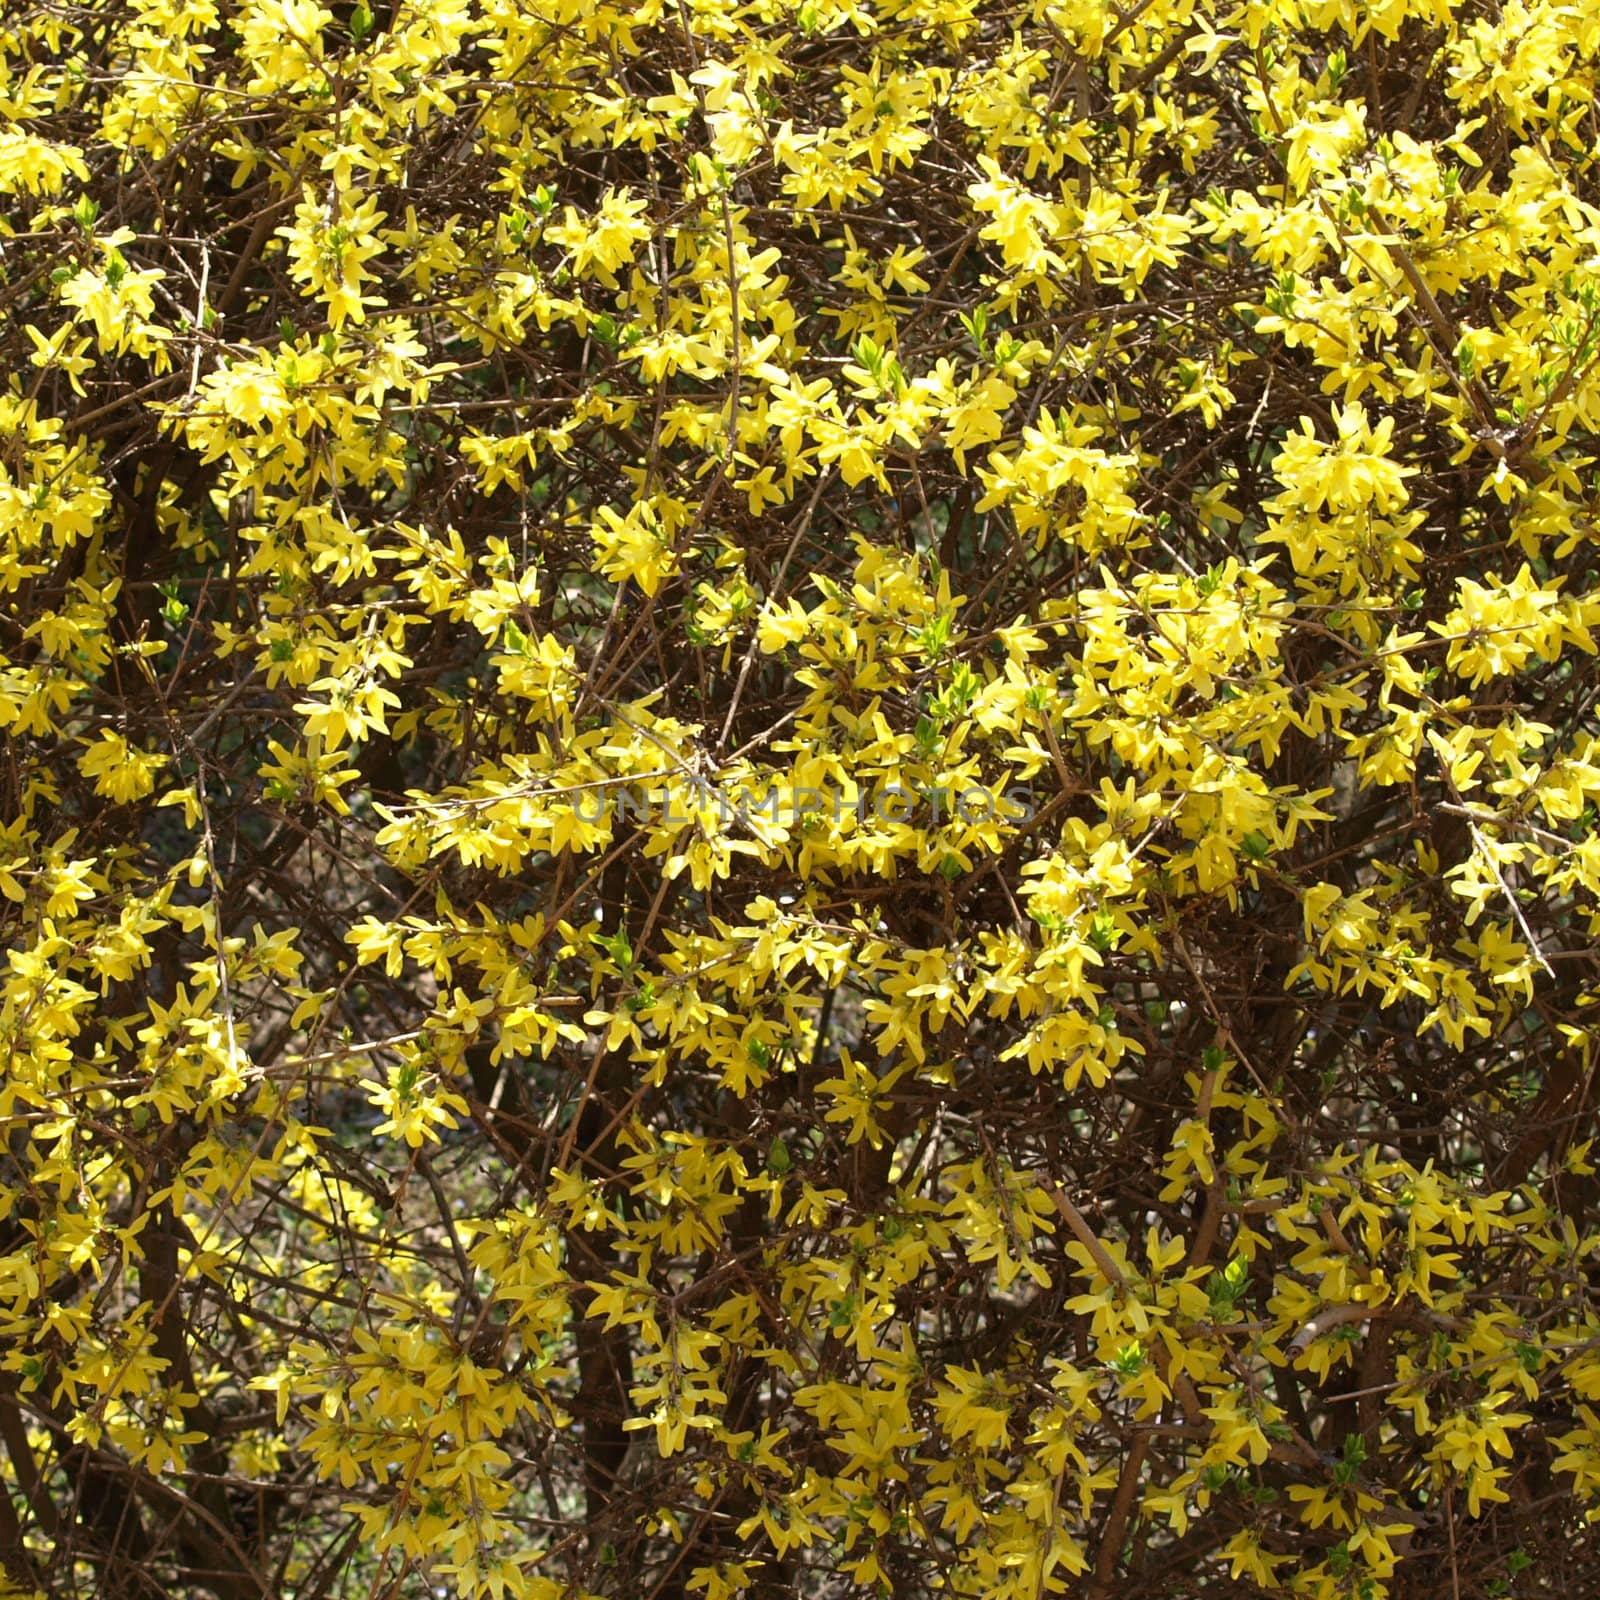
799, 799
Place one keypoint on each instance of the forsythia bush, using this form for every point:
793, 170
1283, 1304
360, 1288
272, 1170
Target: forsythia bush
799, 798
